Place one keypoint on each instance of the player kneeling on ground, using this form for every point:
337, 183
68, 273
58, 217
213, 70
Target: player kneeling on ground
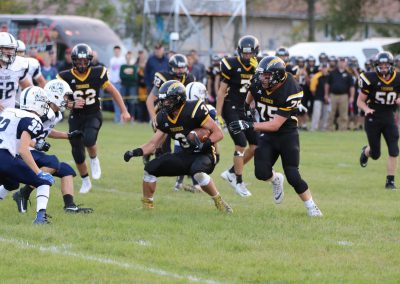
278, 96
57, 91
17, 129
178, 118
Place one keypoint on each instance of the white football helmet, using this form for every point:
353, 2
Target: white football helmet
196, 91
34, 99
8, 48
21, 48
56, 91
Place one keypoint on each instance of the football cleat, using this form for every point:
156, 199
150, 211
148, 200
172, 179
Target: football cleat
390, 185
222, 205
42, 218
192, 188
314, 211
229, 177
178, 186
77, 209
95, 168
147, 203
277, 188
242, 190
22, 203
86, 185
363, 157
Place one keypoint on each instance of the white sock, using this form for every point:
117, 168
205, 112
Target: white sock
42, 197
309, 203
3, 192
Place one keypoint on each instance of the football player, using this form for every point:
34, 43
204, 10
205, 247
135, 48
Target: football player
379, 98
17, 129
34, 71
283, 53
178, 70
13, 71
277, 97
57, 92
85, 81
177, 117
236, 72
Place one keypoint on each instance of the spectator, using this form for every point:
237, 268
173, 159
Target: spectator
95, 60
141, 108
128, 74
34, 54
156, 63
49, 72
67, 64
198, 68
339, 87
115, 65
320, 109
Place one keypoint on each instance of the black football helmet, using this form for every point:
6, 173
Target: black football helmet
384, 57
275, 67
175, 63
323, 57
247, 44
171, 96
81, 51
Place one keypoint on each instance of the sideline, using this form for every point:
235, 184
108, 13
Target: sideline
63, 250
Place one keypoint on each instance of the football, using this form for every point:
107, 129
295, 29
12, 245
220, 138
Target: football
201, 133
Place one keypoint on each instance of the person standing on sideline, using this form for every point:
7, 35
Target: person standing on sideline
128, 74
339, 90
379, 98
320, 108
157, 62
115, 65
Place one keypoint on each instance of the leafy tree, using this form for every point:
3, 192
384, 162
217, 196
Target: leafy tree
12, 7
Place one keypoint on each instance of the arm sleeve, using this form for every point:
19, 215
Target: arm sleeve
226, 70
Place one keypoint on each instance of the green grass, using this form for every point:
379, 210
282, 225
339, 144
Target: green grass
184, 239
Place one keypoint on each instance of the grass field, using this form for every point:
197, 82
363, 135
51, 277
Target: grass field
185, 240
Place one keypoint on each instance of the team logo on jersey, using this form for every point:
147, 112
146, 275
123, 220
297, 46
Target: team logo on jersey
239, 69
73, 81
166, 124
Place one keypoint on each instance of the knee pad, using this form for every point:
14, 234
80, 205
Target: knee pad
64, 171
78, 150
393, 149
203, 179
149, 178
374, 155
294, 179
238, 154
263, 174
90, 136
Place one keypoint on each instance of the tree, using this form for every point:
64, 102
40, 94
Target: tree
12, 7
311, 19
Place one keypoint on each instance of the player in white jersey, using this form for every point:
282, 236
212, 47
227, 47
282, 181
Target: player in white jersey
194, 91
57, 91
34, 70
17, 129
13, 71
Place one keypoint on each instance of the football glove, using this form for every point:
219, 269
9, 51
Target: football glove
46, 176
133, 153
42, 146
254, 62
198, 146
249, 112
302, 108
240, 125
74, 134
220, 121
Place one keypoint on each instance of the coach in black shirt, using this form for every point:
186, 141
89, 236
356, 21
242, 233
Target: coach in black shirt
339, 91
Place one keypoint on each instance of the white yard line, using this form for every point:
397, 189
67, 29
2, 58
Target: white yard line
63, 250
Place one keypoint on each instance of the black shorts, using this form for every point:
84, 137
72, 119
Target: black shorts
271, 146
384, 124
230, 113
82, 121
182, 163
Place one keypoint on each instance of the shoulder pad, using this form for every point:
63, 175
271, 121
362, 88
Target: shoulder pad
368, 77
33, 62
20, 63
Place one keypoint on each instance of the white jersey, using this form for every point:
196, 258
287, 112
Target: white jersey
52, 118
9, 80
34, 70
12, 123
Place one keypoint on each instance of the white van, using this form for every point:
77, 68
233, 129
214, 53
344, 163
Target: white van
363, 50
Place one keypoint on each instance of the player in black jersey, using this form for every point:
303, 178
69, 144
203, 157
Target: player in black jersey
378, 98
236, 72
177, 117
277, 97
85, 81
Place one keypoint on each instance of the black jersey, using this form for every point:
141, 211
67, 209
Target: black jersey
192, 115
284, 101
87, 87
162, 77
237, 76
381, 94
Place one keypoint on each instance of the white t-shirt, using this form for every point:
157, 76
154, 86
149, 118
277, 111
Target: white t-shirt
115, 66
9, 80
